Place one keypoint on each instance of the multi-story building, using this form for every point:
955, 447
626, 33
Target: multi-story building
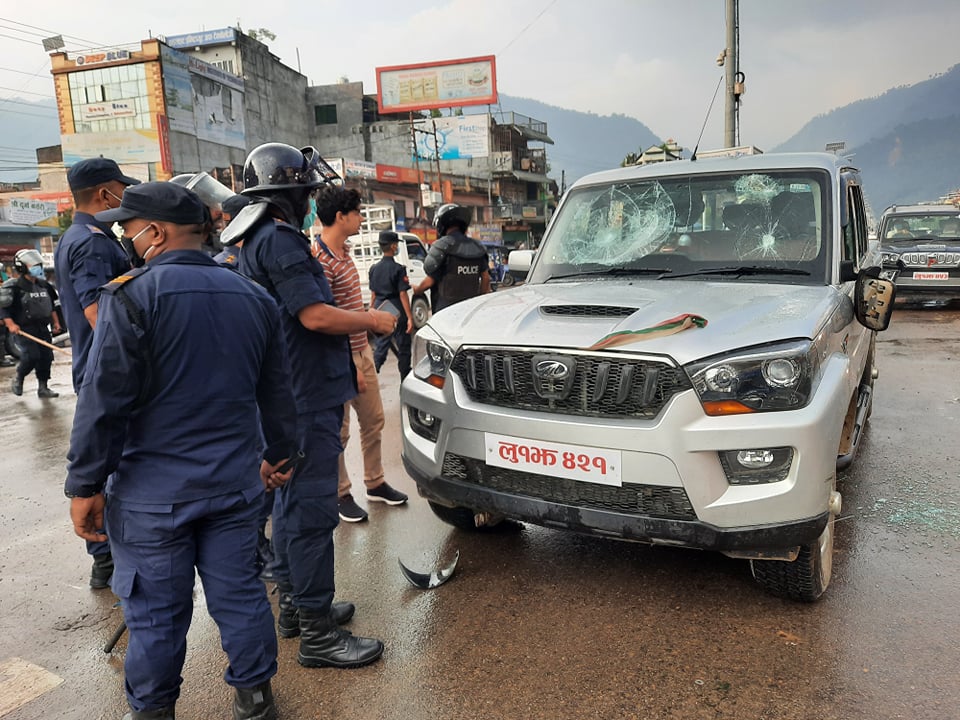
202, 101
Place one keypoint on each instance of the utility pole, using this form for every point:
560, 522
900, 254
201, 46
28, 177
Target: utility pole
416, 158
732, 67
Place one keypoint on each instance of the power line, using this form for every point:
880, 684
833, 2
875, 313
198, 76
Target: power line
29, 92
49, 32
527, 27
34, 105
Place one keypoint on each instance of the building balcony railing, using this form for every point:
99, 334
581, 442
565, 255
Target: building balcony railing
532, 210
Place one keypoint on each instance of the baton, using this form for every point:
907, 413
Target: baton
37, 340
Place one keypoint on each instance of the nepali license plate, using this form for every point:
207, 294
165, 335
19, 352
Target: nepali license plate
575, 462
931, 275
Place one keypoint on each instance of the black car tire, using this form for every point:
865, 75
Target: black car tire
13, 345
420, 309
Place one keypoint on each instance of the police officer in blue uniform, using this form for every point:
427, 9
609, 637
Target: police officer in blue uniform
457, 266
86, 257
186, 353
29, 303
279, 179
389, 283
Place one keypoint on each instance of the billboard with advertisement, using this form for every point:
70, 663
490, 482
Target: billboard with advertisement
202, 99
125, 146
27, 211
456, 138
448, 83
220, 36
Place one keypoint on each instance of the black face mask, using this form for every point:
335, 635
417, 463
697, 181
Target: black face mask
130, 249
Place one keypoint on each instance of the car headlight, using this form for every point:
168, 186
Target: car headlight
890, 258
431, 357
775, 377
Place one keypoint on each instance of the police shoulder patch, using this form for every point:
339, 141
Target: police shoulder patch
120, 280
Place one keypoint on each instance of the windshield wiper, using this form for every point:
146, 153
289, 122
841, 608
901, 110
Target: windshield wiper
744, 270
623, 270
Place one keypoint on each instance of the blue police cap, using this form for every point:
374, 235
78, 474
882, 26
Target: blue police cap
388, 237
96, 171
162, 201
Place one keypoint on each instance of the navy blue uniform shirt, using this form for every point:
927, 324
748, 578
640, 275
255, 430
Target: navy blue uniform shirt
216, 352
388, 279
86, 257
277, 256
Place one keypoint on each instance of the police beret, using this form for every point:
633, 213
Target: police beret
388, 237
163, 201
96, 171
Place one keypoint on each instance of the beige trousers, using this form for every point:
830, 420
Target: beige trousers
369, 410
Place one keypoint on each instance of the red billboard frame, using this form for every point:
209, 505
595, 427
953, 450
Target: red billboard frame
489, 98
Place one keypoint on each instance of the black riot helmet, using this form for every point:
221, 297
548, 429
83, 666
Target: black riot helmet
278, 166
26, 259
449, 215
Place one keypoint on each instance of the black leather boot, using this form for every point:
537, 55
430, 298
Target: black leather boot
324, 644
164, 713
44, 392
101, 571
255, 703
17, 385
288, 619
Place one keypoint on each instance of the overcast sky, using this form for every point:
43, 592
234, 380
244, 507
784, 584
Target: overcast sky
651, 59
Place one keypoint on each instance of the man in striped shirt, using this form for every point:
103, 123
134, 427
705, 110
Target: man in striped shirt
339, 211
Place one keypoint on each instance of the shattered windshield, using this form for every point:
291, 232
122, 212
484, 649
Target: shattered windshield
771, 223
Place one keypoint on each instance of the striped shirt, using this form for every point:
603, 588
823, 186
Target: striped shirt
345, 284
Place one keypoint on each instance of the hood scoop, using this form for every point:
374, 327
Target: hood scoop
591, 311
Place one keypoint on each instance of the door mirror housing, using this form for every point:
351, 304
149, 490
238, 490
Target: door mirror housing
873, 299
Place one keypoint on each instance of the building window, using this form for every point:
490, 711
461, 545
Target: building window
325, 114
110, 99
225, 65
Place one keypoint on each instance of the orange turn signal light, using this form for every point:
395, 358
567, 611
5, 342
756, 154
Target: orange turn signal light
726, 407
436, 380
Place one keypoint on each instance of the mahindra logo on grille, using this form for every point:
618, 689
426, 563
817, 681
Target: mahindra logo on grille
552, 370
553, 376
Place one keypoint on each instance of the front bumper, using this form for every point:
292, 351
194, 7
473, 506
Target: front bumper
628, 526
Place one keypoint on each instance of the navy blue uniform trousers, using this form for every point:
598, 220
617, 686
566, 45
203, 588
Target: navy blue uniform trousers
305, 513
155, 550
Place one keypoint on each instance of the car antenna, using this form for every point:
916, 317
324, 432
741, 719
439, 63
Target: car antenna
693, 157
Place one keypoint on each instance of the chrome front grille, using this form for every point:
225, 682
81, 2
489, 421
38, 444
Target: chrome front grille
608, 385
651, 500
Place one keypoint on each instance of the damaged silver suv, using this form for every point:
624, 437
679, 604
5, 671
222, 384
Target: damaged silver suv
689, 363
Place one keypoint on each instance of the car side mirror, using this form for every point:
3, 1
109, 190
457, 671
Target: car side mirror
520, 260
873, 299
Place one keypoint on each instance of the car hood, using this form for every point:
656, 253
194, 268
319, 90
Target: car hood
925, 245
563, 315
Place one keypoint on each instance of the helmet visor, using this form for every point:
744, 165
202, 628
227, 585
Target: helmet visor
316, 163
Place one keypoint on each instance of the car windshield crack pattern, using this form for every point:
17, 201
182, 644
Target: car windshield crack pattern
621, 223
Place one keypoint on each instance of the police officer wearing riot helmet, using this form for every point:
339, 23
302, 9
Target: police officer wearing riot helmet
275, 253
457, 266
178, 444
29, 303
389, 283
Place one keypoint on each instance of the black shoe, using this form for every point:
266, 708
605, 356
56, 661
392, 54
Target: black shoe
102, 571
288, 619
7, 362
350, 511
44, 392
255, 703
324, 644
17, 385
386, 494
164, 713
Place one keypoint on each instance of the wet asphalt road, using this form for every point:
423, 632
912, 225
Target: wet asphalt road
539, 623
